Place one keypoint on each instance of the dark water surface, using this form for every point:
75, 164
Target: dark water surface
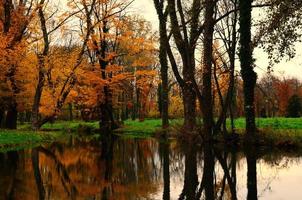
130, 169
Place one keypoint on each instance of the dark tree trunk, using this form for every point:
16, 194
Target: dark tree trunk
159, 99
247, 71
164, 74
185, 41
164, 90
70, 111
207, 103
37, 98
11, 116
107, 121
36, 124
1, 117
189, 100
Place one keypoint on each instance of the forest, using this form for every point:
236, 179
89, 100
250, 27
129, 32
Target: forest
99, 71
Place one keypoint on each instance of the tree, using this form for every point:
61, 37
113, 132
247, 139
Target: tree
15, 17
247, 68
162, 14
294, 107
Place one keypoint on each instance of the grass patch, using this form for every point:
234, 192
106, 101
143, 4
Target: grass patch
16, 139
271, 123
143, 129
62, 126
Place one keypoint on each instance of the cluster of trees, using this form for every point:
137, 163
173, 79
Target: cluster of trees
277, 96
90, 54
202, 41
94, 57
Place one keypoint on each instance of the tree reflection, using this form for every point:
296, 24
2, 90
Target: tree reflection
251, 174
133, 169
37, 173
9, 165
191, 177
164, 153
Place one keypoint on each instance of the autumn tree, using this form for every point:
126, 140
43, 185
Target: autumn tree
15, 17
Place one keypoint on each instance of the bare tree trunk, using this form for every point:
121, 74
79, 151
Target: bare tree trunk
164, 73
207, 70
247, 71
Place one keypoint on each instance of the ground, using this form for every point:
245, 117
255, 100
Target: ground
280, 131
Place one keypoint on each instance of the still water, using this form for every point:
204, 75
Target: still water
130, 169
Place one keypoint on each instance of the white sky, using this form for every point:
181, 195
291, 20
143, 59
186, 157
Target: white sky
292, 68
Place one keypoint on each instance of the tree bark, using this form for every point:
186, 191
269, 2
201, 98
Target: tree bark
207, 102
1, 117
247, 71
164, 75
11, 116
164, 90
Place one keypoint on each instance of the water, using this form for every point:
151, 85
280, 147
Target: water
130, 169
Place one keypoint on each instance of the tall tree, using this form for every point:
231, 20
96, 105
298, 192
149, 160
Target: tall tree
186, 33
162, 14
207, 102
247, 68
15, 17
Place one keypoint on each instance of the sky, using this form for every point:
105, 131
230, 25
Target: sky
292, 68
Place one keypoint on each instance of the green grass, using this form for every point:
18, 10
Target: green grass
275, 129
62, 126
272, 123
140, 129
16, 139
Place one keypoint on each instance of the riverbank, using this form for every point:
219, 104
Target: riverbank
18, 139
280, 132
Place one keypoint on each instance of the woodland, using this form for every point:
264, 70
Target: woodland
96, 61
99, 102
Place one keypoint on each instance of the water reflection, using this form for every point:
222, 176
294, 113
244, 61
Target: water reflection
115, 168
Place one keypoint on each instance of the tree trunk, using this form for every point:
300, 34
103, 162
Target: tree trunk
37, 97
189, 101
164, 74
247, 71
70, 111
107, 121
11, 116
207, 70
1, 117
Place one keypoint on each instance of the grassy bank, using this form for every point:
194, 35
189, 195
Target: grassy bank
272, 123
275, 131
16, 139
